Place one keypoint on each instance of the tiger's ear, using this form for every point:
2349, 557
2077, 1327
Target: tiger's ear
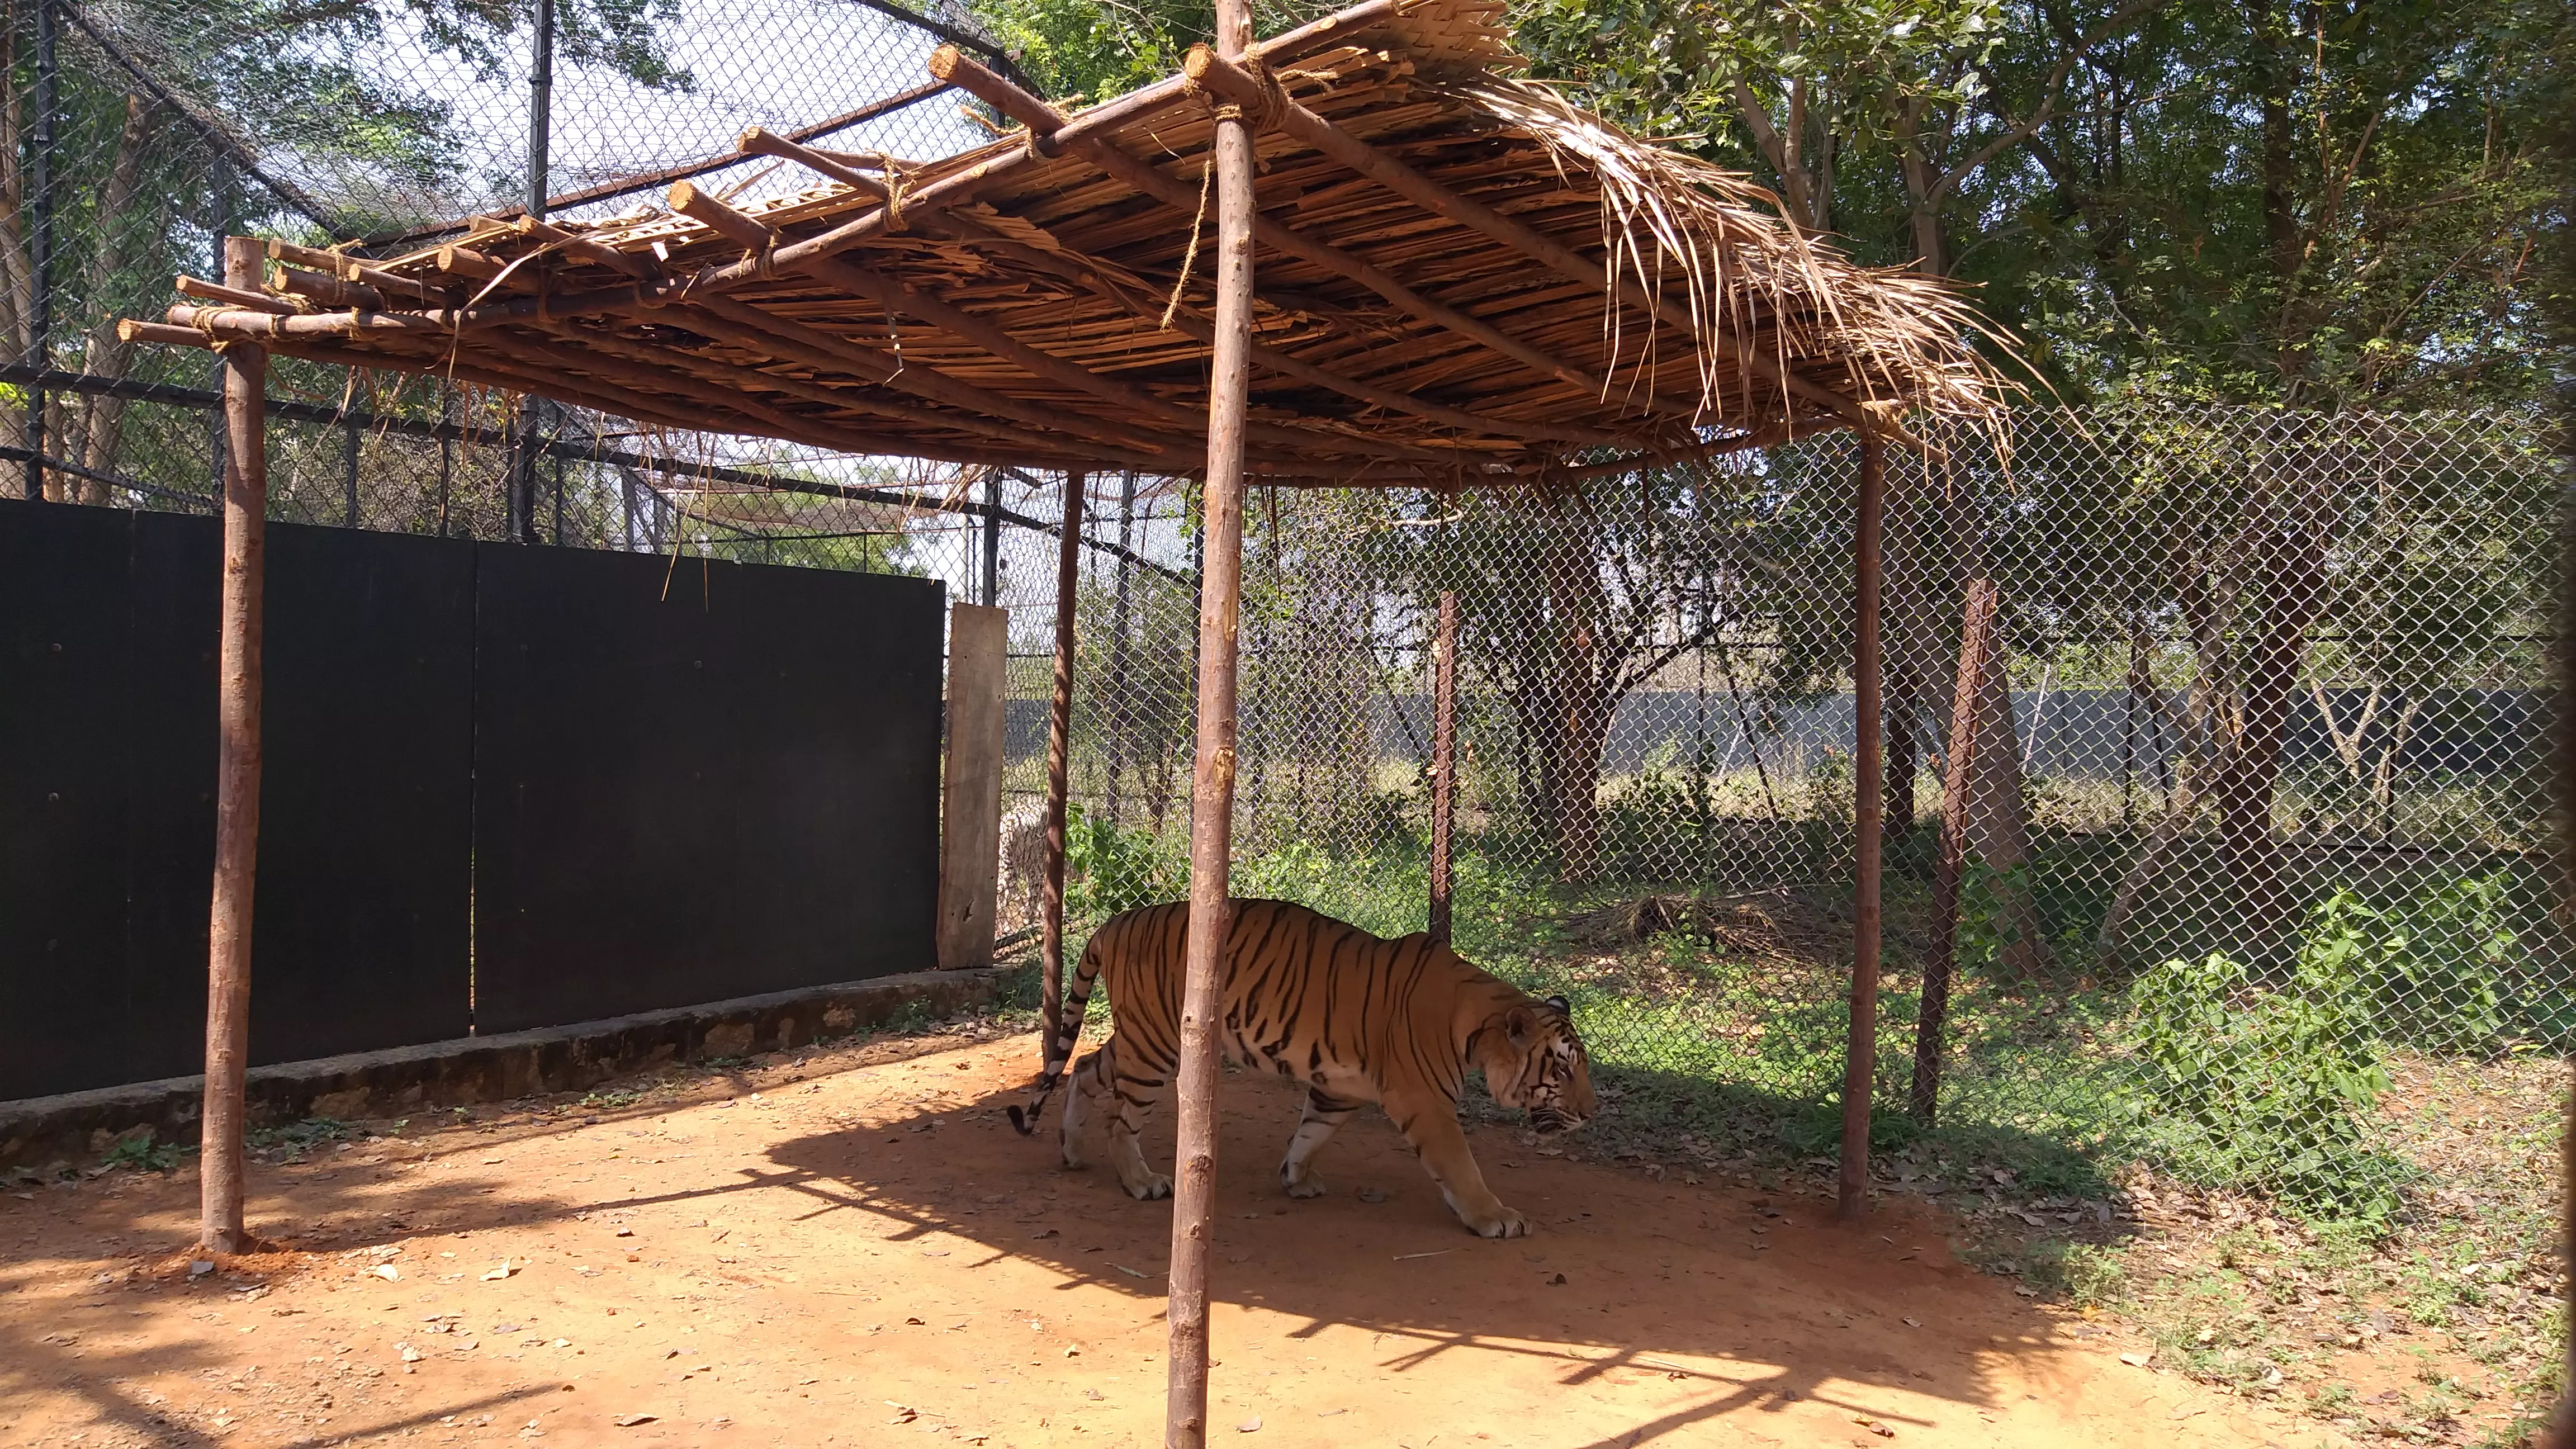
1521, 1022
1561, 1004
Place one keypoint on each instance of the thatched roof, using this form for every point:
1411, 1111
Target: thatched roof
1461, 278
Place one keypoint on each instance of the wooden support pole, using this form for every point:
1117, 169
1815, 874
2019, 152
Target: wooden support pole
1185, 1310
1860, 1062
1068, 585
1923, 1096
1444, 759
970, 819
237, 708
236, 295
701, 205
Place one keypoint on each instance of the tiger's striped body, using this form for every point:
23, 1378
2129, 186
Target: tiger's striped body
1354, 1017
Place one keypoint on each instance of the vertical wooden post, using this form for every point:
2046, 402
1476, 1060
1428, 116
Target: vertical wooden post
1444, 760
1923, 1099
1212, 777
1068, 580
1869, 753
237, 703
970, 824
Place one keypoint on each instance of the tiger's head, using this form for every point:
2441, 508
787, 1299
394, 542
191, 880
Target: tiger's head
1533, 1060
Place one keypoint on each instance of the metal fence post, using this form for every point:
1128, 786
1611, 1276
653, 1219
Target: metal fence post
349, 452
520, 504
1118, 643
993, 538
541, 84
1869, 782
1444, 766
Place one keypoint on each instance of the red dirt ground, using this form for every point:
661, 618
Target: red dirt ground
853, 1248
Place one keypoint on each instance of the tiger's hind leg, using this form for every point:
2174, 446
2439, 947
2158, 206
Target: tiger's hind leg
1137, 1094
1090, 1079
1323, 1115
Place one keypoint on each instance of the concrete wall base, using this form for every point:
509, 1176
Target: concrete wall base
80, 1126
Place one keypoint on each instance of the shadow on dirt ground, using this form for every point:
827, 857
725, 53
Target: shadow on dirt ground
850, 1245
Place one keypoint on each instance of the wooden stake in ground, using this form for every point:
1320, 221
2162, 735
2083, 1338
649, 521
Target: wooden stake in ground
237, 701
1212, 780
1923, 1101
1068, 578
1860, 1062
1444, 762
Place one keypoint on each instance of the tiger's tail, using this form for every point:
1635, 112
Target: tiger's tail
1059, 1048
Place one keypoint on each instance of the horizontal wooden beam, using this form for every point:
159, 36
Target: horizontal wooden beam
794, 341
897, 296
237, 297
322, 290
750, 380
702, 206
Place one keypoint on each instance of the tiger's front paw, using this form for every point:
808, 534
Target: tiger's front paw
1148, 1187
1308, 1186
1503, 1222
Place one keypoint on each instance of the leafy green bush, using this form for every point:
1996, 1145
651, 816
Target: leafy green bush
1108, 870
2443, 978
2265, 1086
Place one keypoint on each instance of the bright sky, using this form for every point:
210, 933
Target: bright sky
783, 64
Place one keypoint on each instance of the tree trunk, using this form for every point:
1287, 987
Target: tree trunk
1575, 729
1999, 820
1922, 207
2292, 589
17, 280
94, 444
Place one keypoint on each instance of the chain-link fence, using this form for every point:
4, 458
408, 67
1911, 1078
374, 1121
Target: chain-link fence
2251, 831
139, 133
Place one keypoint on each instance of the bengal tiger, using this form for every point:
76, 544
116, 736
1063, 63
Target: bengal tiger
1355, 1017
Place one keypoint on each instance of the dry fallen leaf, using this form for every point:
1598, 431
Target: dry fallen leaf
1370, 1194
1249, 1426
385, 1271
902, 1415
497, 1274
2138, 1360
629, 1421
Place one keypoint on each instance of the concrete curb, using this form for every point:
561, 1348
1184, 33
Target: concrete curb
398, 1081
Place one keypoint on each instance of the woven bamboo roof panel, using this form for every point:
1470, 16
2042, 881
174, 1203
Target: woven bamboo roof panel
1460, 277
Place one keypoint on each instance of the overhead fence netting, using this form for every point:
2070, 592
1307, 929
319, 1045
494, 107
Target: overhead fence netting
375, 121
368, 127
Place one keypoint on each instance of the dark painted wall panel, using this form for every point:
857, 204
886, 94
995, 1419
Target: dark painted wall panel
359, 929
731, 789
63, 671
